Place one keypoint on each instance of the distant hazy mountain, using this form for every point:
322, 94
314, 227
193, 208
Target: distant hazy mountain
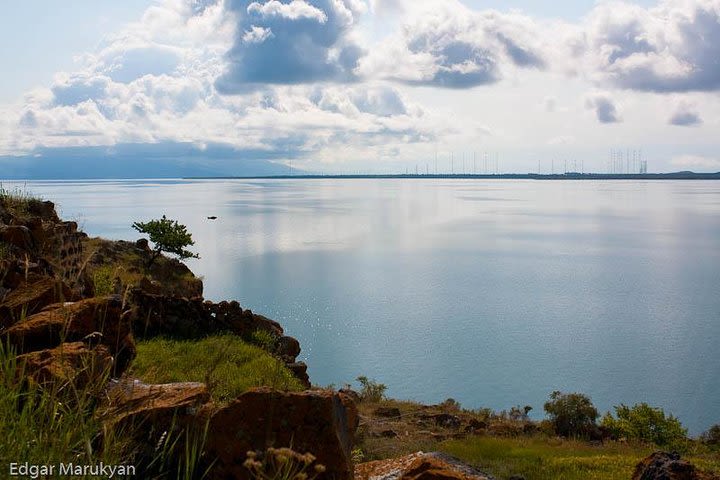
163, 160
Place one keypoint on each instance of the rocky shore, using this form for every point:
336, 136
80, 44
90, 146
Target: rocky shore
72, 309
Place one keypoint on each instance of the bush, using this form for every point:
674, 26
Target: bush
168, 236
371, 391
712, 436
572, 414
645, 423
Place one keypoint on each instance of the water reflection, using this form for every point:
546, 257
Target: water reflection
492, 292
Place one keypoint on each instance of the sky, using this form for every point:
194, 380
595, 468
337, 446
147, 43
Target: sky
369, 86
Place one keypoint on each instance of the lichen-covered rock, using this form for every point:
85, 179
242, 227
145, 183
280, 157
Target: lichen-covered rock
318, 422
131, 401
419, 466
99, 320
668, 466
31, 297
153, 416
70, 363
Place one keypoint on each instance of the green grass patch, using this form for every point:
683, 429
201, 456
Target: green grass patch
227, 364
542, 458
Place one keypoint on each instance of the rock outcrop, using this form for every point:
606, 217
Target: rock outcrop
31, 296
65, 332
419, 466
74, 363
94, 321
668, 466
320, 422
159, 314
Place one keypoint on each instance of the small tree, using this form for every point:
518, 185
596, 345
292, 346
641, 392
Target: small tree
572, 414
168, 236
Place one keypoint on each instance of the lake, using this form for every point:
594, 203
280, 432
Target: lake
492, 292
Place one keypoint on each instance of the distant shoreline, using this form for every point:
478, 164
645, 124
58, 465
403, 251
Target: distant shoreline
502, 176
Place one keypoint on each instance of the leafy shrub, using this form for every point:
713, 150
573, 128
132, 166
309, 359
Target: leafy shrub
572, 414
371, 391
712, 436
645, 423
168, 236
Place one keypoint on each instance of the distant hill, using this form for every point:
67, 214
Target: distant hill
163, 160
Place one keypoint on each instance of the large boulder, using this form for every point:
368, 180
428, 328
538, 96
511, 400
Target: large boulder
70, 363
96, 320
419, 466
31, 297
319, 422
668, 466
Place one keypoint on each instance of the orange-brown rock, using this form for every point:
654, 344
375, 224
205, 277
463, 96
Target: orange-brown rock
668, 466
137, 402
163, 414
419, 466
318, 422
31, 297
94, 320
70, 363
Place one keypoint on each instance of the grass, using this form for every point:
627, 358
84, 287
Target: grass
17, 201
543, 458
227, 364
46, 425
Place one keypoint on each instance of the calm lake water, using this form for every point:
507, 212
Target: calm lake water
494, 293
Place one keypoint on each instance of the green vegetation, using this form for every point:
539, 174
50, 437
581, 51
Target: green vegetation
17, 201
712, 436
225, 363
571, 414
168, 236
46, 425
370, 390
103, 280
57, 423
542, 458
647, 424
264, 339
